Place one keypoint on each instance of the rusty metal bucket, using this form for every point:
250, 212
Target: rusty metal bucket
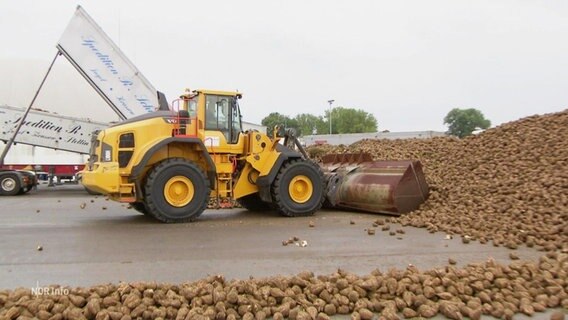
355, 181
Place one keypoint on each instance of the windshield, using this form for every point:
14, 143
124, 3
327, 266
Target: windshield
222, 113
217, 112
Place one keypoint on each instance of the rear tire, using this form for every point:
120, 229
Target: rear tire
10, 185
176, 190
298, 189
252, 202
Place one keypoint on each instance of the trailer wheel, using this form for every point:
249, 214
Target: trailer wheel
176, 190
298, 189
10, 185
252, 202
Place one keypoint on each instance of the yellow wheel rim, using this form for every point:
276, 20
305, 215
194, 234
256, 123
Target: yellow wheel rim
300, 189
179, 191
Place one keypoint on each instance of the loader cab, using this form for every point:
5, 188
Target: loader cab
222, 114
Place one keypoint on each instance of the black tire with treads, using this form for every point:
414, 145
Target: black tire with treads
155, 200
280, 188
141, 205
10, 184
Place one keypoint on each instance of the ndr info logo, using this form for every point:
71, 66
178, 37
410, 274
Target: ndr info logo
49, 291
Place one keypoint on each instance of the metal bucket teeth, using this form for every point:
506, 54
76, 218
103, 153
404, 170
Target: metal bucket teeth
355, 181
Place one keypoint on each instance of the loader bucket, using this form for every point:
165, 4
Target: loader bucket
355, 181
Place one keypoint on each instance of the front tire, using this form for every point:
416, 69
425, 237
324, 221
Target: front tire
298, 189
176, 190
10, 185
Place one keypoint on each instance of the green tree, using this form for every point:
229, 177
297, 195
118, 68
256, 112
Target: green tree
344, 120
462, 122
276, 118
322, 127
309, 124
350, 120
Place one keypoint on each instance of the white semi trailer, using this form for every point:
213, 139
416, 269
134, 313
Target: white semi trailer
49, 130
43, 129
101, 62
107, 69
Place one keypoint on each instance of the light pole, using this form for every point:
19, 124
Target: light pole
330, 109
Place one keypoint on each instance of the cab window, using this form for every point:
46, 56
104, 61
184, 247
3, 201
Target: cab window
237, 127
217, 112
191, 106
222, 114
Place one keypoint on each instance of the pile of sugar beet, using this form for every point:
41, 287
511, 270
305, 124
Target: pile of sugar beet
507, 186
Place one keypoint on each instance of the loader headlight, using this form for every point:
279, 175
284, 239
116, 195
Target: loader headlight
106, 153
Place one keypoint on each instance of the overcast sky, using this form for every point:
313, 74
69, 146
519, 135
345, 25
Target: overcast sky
407, 62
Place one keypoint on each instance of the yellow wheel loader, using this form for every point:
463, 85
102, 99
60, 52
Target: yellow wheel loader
171, 164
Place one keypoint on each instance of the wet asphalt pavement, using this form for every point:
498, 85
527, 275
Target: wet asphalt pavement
107, 242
